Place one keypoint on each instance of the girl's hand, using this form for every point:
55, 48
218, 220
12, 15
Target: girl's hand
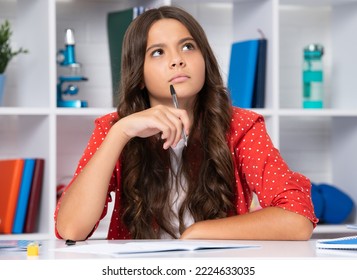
159, 119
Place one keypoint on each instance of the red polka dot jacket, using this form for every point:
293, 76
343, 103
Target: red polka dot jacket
258, 168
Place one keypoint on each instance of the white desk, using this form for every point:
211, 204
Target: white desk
271, 260
266, 249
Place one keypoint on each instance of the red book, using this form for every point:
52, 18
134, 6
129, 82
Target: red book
10, 181
31, 223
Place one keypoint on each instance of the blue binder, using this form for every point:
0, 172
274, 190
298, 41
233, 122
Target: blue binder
24, 193
246, 78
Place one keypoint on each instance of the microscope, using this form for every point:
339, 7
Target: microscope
72, 74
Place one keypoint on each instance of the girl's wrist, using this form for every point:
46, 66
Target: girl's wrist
120, 133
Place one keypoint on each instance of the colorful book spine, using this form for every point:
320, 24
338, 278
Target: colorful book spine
21, 182
31, 224
24, 194
10, 181
260, 76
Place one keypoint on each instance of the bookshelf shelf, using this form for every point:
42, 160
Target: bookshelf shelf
32, 125
319, 113
84, 111
24, 111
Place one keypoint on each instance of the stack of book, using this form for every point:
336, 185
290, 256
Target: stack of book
21, 181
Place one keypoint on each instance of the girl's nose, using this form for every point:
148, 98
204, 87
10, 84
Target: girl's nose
177, 62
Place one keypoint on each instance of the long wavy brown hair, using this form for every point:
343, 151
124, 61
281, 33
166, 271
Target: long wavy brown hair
206, 161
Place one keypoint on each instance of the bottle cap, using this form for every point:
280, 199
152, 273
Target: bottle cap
313, 51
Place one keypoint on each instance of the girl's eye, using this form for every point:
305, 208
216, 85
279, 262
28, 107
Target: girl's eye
188, 46
156, 53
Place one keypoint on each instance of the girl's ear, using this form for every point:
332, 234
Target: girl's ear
142, 85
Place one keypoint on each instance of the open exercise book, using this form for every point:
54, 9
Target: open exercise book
150, 247
343, 243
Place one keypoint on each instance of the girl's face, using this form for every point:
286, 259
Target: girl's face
172, 57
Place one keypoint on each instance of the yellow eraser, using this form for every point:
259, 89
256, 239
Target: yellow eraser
32, 249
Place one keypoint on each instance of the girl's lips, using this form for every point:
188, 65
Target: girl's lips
179, 79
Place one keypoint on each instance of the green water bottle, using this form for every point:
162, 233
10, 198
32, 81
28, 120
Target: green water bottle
313, 76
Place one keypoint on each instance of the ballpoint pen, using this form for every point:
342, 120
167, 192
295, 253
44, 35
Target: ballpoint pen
174, 100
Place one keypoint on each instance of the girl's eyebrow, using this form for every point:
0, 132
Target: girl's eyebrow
161, 45
155, 46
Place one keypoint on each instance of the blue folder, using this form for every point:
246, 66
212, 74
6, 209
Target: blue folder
246, 78
342, 243
242, 70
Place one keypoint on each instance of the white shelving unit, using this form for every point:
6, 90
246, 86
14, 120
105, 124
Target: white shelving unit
318, 143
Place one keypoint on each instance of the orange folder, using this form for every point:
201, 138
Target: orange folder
10, 181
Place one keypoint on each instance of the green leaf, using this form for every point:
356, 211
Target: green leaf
6, 52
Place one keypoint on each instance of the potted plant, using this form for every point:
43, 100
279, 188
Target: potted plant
6, 52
